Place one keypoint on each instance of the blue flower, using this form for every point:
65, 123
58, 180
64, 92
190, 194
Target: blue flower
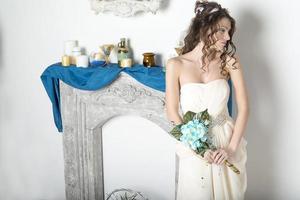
194, 134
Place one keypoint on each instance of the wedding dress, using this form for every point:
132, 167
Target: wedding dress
197, 179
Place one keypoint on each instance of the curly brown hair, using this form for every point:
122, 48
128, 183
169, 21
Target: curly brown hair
203, 27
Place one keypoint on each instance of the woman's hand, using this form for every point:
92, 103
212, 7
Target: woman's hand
219, 156
208, 156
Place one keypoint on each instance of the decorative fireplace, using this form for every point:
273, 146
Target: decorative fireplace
83, 115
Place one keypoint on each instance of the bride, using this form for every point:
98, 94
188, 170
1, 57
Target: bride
198, 80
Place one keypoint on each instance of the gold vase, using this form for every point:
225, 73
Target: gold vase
148, 60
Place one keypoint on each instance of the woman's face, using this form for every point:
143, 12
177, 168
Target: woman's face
222, 34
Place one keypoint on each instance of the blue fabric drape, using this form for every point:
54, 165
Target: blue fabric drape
229, 103
95, 77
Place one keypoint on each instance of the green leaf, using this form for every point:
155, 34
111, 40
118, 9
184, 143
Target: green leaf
202, 152
176, 132
205, 115
188, 116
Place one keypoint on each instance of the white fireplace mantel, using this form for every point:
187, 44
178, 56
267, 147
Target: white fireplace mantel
83, 115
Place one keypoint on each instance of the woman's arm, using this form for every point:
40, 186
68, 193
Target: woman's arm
236, 74
242, 104
172, 90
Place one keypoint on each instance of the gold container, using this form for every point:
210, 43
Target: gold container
126, 62
65, 61
148, 60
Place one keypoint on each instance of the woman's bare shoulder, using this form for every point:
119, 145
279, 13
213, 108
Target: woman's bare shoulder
175, 62
180, 61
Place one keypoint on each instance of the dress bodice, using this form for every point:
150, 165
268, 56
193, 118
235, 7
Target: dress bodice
197, 97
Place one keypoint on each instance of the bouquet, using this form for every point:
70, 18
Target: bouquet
193, 132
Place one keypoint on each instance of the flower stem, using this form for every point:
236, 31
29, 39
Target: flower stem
232, 167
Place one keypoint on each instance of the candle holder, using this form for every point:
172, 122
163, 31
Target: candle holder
148, 60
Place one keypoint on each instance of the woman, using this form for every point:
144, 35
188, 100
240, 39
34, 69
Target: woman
197, 80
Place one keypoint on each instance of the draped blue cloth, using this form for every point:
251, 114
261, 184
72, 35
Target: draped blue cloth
95, 77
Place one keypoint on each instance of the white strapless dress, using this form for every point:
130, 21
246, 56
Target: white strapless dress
198, 180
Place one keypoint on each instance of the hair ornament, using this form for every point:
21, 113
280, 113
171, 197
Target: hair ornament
214, 10
199, 10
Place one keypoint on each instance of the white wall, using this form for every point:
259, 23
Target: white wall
31, 37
